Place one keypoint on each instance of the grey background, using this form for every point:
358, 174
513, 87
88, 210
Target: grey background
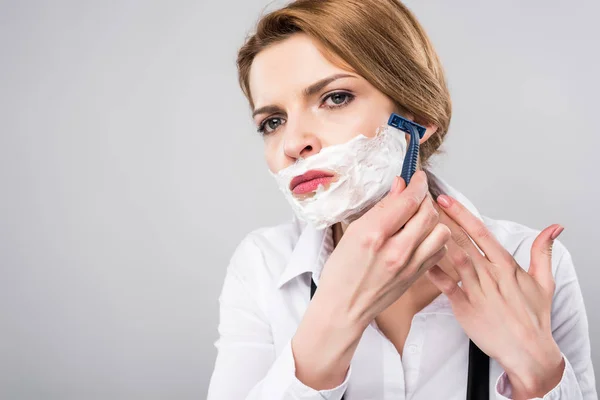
130, 170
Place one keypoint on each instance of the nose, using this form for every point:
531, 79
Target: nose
300, 142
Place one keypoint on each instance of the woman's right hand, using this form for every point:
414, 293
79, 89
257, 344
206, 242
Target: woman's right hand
384, 251
377, 259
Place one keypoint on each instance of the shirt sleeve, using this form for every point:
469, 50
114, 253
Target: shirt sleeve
570, 331
247, 366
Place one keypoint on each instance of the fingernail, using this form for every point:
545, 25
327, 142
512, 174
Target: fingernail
444, 201
395, 183
557, 231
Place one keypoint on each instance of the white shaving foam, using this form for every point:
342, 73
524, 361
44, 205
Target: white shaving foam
365, 168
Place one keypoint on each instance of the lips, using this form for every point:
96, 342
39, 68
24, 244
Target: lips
309, 181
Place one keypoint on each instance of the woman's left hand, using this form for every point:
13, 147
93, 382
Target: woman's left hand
503, 309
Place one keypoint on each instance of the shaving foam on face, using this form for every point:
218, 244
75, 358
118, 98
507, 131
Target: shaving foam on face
365, 169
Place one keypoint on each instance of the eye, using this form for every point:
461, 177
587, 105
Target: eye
269, 125
338, 99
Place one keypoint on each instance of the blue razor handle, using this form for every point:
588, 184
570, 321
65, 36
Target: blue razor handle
416, 133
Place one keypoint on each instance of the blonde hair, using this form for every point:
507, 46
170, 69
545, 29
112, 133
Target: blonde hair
380, 39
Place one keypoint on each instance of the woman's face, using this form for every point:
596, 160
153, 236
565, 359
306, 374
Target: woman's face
304, 103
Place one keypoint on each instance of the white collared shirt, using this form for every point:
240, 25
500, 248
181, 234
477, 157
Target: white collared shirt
266, 292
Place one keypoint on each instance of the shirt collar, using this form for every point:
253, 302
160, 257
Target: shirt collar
315, 245
310, 253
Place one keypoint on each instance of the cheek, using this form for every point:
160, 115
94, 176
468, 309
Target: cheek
363, 116
365, 123
273, 159
370, 122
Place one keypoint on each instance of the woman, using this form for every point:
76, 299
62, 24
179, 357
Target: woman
415, 288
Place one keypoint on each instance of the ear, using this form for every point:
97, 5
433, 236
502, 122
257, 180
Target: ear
431, 129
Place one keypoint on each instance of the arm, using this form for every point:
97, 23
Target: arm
325, 342
570, 331
371, 267
532, 322
247, 366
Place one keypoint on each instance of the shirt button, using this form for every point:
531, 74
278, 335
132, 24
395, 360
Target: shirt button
413, 348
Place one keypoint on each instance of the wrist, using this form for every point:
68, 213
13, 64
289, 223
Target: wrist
339, 309
324, 344
334, 317
537, 378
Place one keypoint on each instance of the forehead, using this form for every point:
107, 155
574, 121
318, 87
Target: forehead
290, 66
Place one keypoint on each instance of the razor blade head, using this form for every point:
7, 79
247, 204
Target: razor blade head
403, 124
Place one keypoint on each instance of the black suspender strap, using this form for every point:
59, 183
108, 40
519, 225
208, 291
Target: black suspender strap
478, 380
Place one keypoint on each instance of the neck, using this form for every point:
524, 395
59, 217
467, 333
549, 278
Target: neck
338, 230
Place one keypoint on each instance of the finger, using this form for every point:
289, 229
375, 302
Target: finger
426, 250
431, 261
446, 285
476, 229
486, 273
541, 256
420, 271
460, 237
397, 207
414, 232
458, 260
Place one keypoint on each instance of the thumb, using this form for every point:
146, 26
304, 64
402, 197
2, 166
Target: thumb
400, 184
541, 256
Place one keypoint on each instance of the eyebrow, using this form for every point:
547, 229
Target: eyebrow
309, 91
